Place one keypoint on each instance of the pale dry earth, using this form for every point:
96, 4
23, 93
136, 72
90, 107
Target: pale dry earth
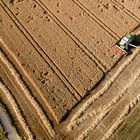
7, 125
60, 77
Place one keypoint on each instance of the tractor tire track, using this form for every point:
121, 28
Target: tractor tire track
80, 113
27, 92
42, 53
41, 92
103, 11
58, 22
96, 19
4, 46
72, 36
101, 63
120, 6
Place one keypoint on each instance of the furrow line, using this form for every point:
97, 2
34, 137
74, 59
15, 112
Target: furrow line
43, 54
16, 109
103, 111
126, 112
79, 44
25, 89
4, 46
96, 19
126, 10
108, 84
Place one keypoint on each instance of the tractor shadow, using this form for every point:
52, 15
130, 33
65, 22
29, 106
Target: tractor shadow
136, 41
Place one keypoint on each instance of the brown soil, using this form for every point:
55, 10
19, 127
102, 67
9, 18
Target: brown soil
60, 76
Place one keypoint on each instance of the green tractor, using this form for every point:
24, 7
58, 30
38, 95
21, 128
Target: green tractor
125, 44
126, 41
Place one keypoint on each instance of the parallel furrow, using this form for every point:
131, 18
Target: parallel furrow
73, 37
44, 94
16, 109
120, 23
42, 53
27, 92
85, 29
96, 19
80, 113
4, 46
119, 5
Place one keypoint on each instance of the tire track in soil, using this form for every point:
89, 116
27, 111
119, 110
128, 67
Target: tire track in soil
81, 89
97, 65
72, 36
96, 19
130, 6
119, 23
25, 89
109, 57
79, 115
43, 54
22, 103
69, 33
49, 60
58, 108
103, 111
11, 100
126, 10
5, 47
50, 64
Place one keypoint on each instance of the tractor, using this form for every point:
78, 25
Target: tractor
126, 43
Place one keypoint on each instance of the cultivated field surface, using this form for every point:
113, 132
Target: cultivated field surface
60, 77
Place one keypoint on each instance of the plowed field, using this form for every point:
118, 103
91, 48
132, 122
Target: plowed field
60, 77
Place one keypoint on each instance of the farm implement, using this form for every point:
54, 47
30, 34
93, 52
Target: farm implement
125, 45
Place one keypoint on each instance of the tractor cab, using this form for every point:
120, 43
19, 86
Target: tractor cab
126, 42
